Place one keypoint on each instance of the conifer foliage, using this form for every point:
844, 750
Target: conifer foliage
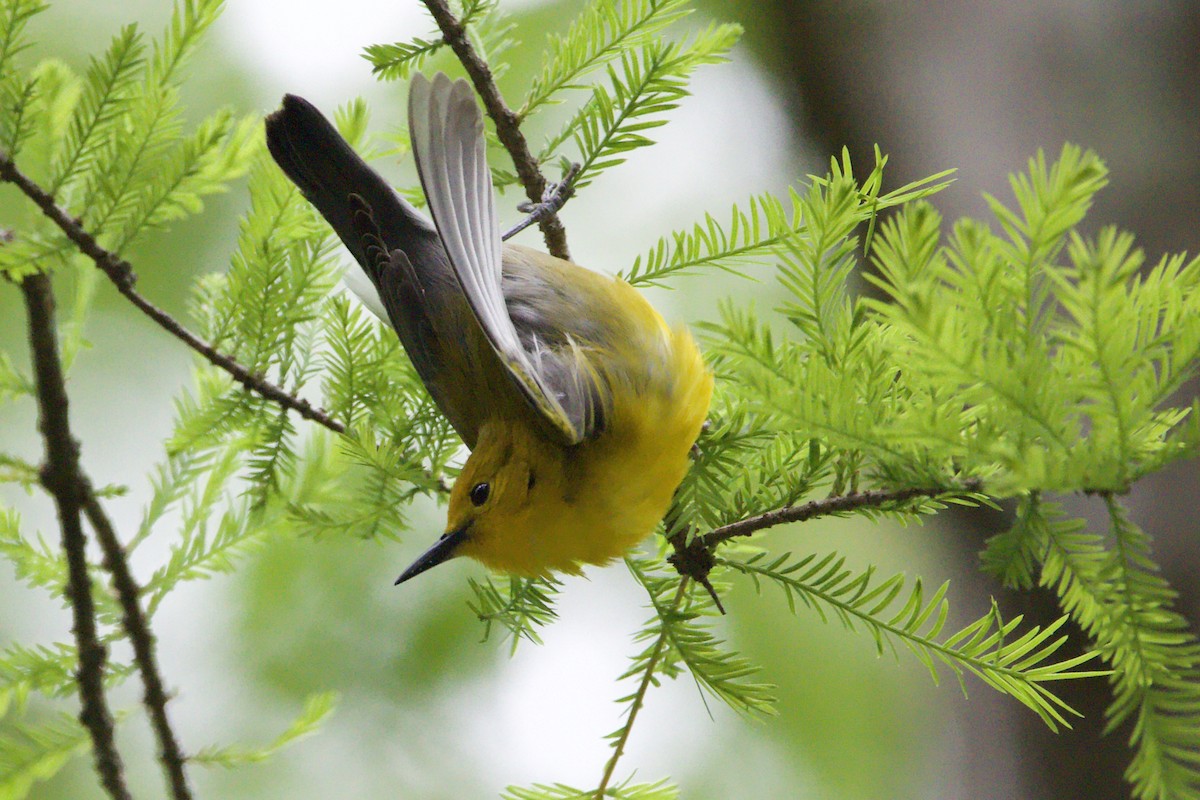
1008, 358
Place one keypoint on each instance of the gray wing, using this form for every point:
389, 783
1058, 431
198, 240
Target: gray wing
446, 127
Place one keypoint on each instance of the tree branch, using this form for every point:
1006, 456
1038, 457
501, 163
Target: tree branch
639, 697
694, 559
61, 477
142, 639
508, 122
121, 273
839, 504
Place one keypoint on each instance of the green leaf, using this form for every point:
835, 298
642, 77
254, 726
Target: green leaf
717, 669
754, 235
203, 164
521, 606
23, 670
1012, 556
201, 552
398, 60
49, 671
107, 86
13, 381
652, 81
145, 164
19, 471
317, 709
600, 34
660, 790
14, 16
986, 648
36, 563
31, 754
367, 497
1118, 598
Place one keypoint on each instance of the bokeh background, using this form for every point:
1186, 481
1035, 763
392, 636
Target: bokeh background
429, 712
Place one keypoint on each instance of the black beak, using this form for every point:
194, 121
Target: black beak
442, 550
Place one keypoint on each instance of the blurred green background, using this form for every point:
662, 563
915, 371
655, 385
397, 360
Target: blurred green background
429, 712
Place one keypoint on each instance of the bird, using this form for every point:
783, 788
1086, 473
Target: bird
579, 404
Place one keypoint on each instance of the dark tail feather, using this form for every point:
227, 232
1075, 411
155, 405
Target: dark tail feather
397, 247
325, 168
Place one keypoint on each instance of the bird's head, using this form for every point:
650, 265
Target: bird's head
507, 495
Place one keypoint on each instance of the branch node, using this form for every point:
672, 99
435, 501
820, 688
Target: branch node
121, 273
694, 560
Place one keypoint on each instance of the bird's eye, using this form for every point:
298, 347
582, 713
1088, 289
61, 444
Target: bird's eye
479, 493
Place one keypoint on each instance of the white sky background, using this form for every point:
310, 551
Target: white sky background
302, 46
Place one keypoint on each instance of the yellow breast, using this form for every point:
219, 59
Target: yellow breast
645, 454
594, 501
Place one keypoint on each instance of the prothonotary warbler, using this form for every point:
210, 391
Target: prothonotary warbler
578, 402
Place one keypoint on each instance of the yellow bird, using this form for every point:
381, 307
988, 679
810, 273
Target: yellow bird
578, 402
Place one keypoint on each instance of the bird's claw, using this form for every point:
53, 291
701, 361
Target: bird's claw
554, 198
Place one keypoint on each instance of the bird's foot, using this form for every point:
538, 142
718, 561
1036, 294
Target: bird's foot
554, 198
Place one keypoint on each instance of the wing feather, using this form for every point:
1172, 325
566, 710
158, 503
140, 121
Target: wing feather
446, 127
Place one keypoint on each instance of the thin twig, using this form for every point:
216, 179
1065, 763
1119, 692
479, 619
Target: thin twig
639, 698
826, 506
60, 475
142, 639
121, 273
508, 122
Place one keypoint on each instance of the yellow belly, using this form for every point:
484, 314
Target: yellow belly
590, 502
616, 488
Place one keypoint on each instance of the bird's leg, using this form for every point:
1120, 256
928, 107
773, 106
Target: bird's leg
553, 199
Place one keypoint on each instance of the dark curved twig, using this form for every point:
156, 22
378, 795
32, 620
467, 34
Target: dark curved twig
61, 477
694, 559
127, 590
508, 122
121, 273
838, 504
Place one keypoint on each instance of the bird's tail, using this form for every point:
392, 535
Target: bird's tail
331, 175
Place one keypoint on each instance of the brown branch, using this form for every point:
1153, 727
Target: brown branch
121, 273
127, 590
61, 477
839, 504
694, 559
508, 122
